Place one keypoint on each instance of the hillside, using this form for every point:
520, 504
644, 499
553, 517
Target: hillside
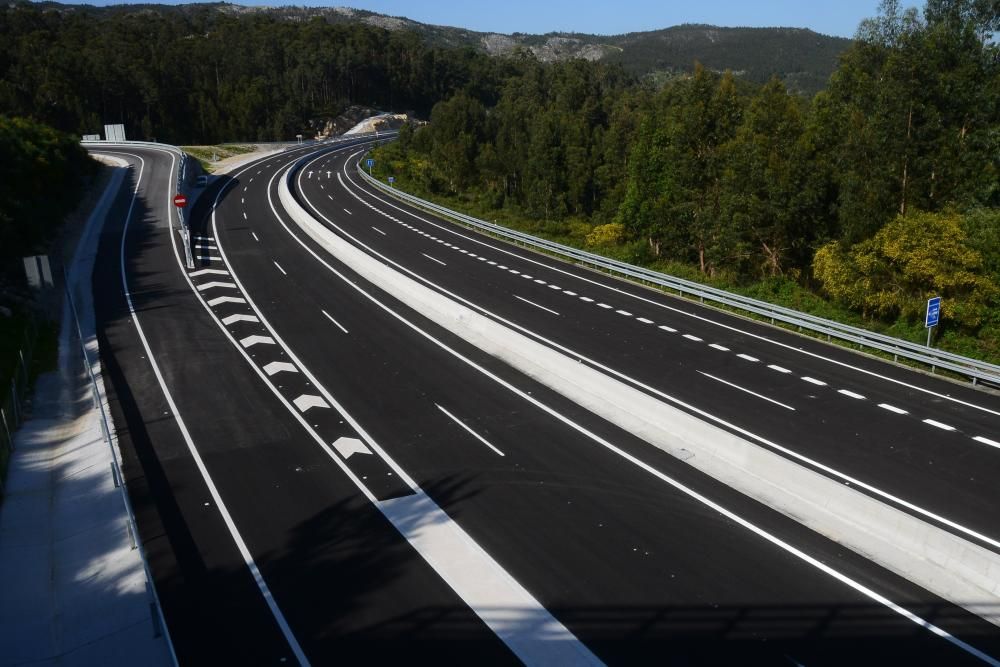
802, 58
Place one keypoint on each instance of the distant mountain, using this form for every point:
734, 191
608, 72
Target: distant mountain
803, 59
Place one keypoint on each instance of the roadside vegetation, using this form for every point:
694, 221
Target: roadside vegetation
208, 156
857, 204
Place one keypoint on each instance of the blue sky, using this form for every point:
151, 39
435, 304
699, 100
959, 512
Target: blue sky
831, 17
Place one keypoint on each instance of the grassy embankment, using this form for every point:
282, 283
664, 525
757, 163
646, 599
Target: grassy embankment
779, 291
204, 154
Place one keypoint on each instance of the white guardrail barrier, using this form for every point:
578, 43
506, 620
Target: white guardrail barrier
977, 371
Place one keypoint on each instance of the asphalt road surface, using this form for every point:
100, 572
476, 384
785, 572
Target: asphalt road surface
323, 475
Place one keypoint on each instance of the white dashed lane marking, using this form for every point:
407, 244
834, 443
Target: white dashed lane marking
535, 304
893, 408
752, 393
433, 259
852, 394
937, 424
987, 441
747, 357
818, 383
694, 338
330, 317
721, 348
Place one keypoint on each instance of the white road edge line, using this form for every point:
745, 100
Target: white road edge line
220, 505
471, 432
744, 389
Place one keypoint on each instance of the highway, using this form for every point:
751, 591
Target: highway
324, 474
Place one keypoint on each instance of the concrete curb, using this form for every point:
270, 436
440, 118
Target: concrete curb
951, 567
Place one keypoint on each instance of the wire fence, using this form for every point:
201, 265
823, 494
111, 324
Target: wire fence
15, 392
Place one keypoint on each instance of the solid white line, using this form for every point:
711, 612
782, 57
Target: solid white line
852, 394
279, 267
694, 338
535, 304
893, 408
747, 357
471, 432
818, 383
330, 317
182, 426
433, 259
780, 369
721, 348
379, 231
943, 427
752, 393
987, 441
864, 590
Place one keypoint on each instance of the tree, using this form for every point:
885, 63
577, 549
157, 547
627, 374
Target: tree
911, 259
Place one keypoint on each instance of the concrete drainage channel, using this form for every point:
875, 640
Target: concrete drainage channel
954, 568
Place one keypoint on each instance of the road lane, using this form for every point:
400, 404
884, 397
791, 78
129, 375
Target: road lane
905, 459
386, 377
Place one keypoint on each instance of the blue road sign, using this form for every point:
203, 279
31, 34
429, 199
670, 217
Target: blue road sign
370, 162
392, 179
933, 312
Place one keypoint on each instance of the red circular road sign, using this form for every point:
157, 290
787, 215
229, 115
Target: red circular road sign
180, 201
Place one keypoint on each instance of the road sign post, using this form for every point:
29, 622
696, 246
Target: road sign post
180, 201
392, 179
933, 316
370, 162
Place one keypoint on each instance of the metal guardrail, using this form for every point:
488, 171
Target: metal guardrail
974, 369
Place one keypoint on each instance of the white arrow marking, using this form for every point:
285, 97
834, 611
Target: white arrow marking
253, 340
306, 401
225, 299
215, 283
310, 174
347, 446
328, 174
279, 366
239, 318
205, 272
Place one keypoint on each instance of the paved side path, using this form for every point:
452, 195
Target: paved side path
72, 587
